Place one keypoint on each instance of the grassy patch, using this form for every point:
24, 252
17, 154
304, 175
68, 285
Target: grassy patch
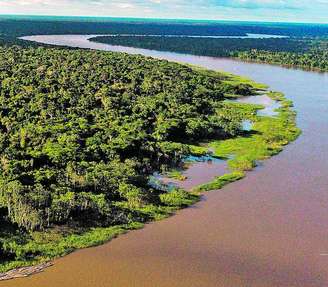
244, 110
179, 198
198, 150
237, 80
42, 246
268, 136
277, 96
220, 181
176, 174
47, 245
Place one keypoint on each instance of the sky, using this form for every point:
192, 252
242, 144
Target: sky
315, 11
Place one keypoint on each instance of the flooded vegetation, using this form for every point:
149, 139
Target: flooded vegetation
266, 132
269, 105
212, 228
81, 154
196, 170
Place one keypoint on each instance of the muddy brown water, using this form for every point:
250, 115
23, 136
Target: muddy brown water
268, 230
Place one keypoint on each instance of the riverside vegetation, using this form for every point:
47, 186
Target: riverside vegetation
268, 136
307, 53
305, 45
82, 132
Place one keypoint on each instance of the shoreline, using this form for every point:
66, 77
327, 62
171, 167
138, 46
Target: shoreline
23, 272
220, 182
95, 39
28, 271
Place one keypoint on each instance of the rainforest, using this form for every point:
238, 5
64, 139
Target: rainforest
303, 46
82, 132
303, 52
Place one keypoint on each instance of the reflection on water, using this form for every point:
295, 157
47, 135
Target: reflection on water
247, 125
198, 170
267, 230
204, 158
203, 169
159, 182
270, 105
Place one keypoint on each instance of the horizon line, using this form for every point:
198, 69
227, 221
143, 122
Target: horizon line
162, 19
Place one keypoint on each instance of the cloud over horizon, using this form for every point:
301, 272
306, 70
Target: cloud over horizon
263, 10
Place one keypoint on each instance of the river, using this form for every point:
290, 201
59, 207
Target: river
267, 230
248, 36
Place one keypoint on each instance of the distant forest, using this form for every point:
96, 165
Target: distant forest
82, 133
306, 46
21, 26
308, 53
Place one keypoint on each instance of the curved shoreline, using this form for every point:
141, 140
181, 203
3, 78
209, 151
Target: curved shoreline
27, 271
266, 230
35, 269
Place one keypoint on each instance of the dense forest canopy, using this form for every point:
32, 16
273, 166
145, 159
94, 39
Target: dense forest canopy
83, 130
223, 47
314, 60
310, 53
306, 47
16, 26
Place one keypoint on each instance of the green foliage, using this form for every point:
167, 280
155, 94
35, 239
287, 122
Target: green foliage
82, 131
314, 58
198, 150
267, 138
176, 174
308, 53
276, 96
178, 198
220, 181
242, 163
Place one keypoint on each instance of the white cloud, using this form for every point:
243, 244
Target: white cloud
270, 10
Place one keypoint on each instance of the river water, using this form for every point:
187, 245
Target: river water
268, 230
248, 36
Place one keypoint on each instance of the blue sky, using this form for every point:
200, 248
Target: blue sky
262, 10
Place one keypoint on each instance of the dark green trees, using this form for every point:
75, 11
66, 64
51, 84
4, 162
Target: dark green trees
308, 53
81, 131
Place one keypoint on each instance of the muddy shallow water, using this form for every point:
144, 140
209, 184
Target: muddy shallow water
268, 230
194, 172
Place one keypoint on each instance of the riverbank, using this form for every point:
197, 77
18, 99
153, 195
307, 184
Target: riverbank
270, 130
54, 243
310, 54
65, 188
266, 138
268, 229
